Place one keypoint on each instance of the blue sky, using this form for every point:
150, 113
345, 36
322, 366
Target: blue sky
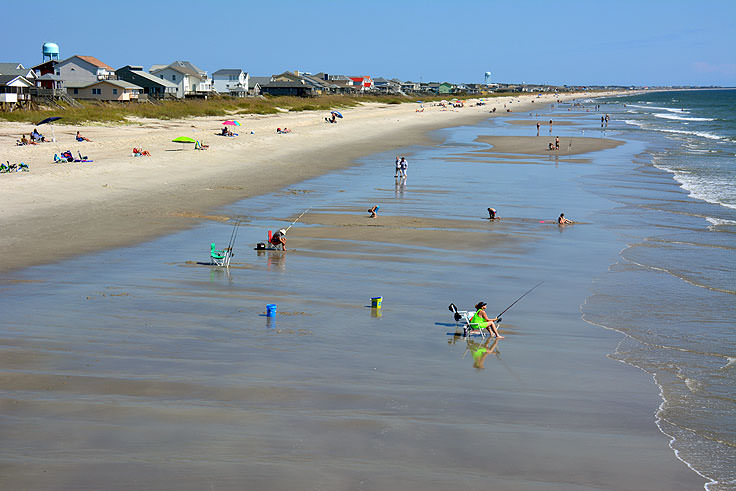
562, 42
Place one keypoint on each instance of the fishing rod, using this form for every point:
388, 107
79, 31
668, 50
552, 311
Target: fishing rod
233, 234
297, 219
524, 295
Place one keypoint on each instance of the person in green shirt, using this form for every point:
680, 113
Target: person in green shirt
481, 320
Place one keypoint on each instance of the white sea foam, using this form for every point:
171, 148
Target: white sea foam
720, 221
703, 134
680, 118
711, 191
669, 109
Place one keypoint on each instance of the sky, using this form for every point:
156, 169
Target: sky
590, 42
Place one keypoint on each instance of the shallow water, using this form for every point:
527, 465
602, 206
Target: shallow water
139, 367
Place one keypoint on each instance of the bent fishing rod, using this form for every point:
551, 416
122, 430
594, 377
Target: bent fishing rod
524, 295
297, 219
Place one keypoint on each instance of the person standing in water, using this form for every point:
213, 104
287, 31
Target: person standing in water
398, 167
481, 320
404, 166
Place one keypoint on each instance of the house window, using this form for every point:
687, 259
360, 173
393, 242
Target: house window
76, 91
114, 91
96, 91
173, 77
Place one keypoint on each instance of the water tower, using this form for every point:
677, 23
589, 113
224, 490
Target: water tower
488, 77
50, 52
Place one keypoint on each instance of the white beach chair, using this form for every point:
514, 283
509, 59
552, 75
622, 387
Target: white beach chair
463, 318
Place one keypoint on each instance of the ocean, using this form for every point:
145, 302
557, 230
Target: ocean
672, 291
142, 367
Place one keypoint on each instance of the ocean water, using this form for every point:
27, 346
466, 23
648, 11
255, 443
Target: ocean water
672, 292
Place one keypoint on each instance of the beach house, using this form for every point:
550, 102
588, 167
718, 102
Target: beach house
14, 91
17, 69
230, 81
384, 86
365, 81
104, 90
190, 80
77, 69
152, 86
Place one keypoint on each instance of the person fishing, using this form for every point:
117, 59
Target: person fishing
279, 239
481, 320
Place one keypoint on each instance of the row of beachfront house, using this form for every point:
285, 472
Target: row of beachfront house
86, 77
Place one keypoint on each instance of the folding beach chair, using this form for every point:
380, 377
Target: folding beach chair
463, 318
220, 257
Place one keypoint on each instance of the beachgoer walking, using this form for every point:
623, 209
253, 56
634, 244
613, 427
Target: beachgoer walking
481, 320
561, 220
279, 239
373, 211
557, 143
538, 125
404, 165
398, 167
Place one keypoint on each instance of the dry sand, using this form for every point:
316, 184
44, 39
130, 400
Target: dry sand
61, 210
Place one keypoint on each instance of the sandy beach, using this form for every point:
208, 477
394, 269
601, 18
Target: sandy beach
62, 210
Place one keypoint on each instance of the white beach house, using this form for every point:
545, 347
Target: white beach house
190, 80
231, 81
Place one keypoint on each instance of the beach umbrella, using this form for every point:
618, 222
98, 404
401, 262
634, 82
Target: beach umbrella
336, 113
182, 140
50, 120
231, 123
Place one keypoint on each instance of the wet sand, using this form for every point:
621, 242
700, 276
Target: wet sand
538, 145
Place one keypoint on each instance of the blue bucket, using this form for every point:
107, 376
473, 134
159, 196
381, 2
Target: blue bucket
271, 310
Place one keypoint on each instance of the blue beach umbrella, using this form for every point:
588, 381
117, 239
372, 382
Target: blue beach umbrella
50, 120
336, 113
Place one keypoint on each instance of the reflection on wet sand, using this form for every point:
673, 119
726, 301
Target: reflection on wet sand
480, 351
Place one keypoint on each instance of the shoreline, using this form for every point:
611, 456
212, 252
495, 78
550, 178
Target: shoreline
58, 211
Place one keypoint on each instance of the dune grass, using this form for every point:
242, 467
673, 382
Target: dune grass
116, 112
